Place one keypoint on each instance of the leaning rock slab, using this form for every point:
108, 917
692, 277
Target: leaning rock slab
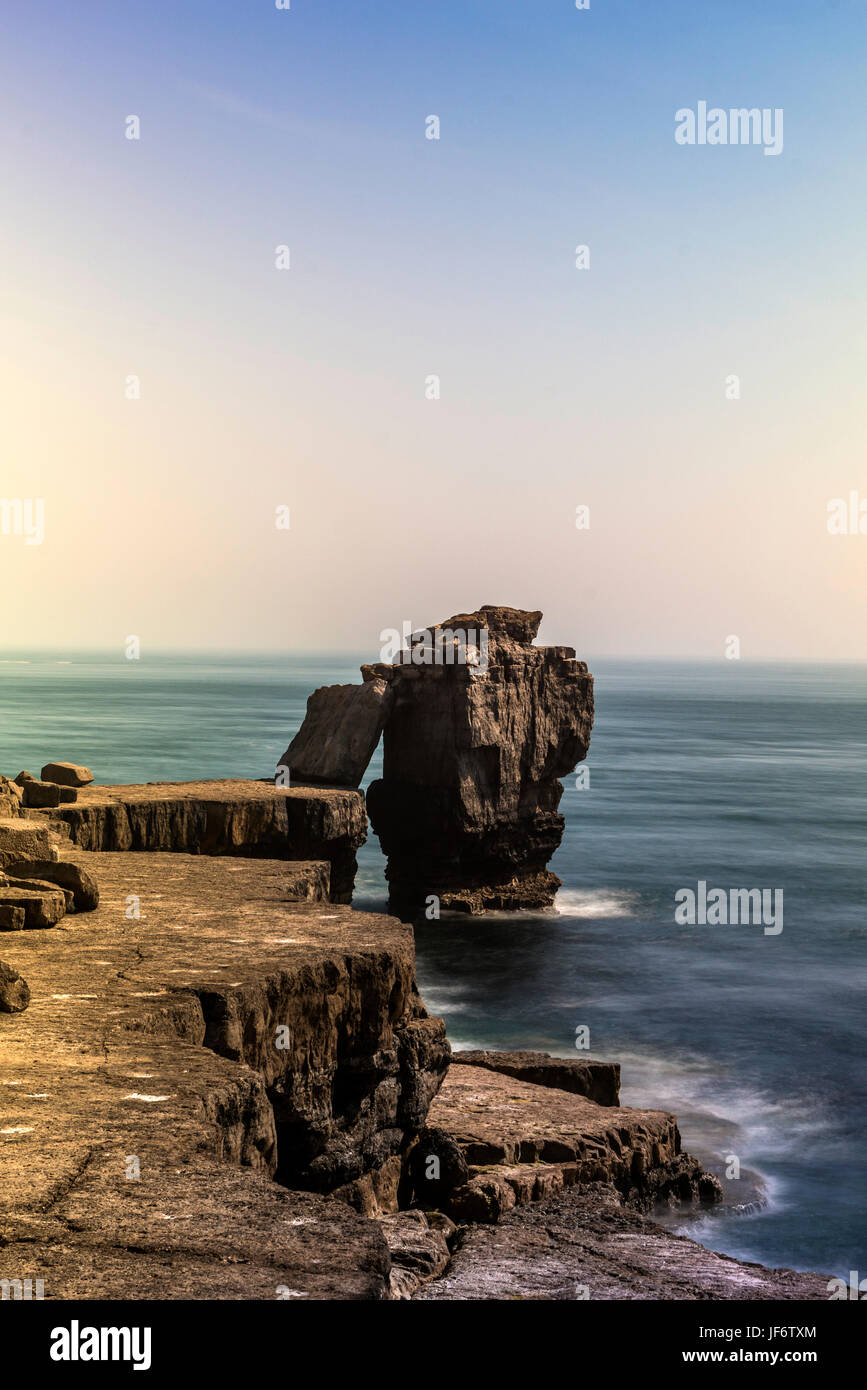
67, 774
341, 729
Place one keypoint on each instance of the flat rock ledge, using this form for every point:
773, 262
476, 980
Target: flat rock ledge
248, 819
599, 1081
197, 1034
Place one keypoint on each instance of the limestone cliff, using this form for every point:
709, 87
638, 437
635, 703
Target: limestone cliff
467, 806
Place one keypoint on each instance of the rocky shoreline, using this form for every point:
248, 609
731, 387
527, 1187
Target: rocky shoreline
224, 1084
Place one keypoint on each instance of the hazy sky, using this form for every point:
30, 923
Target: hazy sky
305, 387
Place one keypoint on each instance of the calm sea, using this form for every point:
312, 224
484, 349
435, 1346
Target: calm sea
744, 776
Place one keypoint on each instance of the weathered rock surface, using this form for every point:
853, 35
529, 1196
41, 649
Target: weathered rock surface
419, 1251
14, 992
341, 729
43, 904
521, 1142
40, 794
67, 774
71, 877
10, 799
586, 1244
11, 917
225, 1025
27, 838
233, 817
466, 808
599, 1081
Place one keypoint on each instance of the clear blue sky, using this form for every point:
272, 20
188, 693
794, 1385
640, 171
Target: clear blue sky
412, 257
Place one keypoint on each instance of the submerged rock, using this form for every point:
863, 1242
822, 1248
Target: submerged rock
67, 774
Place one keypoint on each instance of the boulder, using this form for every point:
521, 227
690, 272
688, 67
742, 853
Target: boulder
14, 992
43, 907
68, 795
25, 839
10, 798
341, 729
41, 794
67, 774
11, 917
36, 885
24, 777
69, 877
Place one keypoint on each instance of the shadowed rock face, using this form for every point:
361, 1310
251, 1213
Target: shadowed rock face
466, 808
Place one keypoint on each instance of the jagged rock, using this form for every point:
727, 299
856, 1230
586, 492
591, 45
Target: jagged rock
67, 774
341, 729
41, 794
11, 916
10, 799
466, 809
599, 1081
25, 839
24, 777
436, 1167
418, 1251
14, 992
521, 1142
43, 907
70, 877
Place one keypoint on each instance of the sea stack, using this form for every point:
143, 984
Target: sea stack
482, 725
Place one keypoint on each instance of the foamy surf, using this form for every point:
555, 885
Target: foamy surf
594, 903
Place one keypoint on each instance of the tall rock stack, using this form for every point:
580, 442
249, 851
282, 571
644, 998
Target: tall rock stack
479, 731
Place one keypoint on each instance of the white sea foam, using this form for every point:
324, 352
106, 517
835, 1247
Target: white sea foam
594, 903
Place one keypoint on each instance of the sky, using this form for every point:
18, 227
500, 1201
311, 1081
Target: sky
166, 388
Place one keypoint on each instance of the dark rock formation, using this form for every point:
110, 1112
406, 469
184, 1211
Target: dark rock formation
522, 1142
14, 992
599, 1081
250, 820
11, 917
466, 809
341, 729
67, 774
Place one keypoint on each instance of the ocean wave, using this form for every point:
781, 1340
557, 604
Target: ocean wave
594, 903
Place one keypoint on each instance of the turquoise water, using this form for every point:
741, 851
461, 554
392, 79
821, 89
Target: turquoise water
745, 776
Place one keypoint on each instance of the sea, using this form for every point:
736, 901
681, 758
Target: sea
735, 775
